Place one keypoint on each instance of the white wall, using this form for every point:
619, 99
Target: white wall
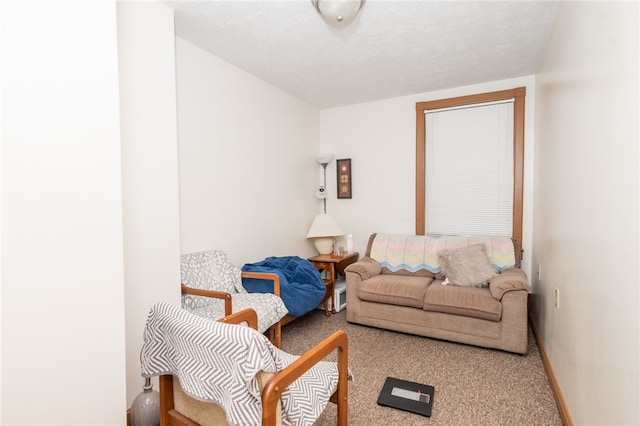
586, 209
247, 172
246, 157
379, 137
63, 334
149, 169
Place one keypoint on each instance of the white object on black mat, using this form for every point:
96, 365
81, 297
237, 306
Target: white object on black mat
408, 396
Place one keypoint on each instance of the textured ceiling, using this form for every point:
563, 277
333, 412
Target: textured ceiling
391, 48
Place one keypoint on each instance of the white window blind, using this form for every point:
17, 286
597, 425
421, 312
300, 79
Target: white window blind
469, 170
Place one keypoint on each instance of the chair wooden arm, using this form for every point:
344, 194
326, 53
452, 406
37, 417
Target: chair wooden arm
275, 330
210, 293
246, 315
273, 390
271, 276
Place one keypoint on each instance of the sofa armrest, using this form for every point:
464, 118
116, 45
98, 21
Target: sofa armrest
365, 267
508, 280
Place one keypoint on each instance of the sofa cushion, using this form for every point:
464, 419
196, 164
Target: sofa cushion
207, 270
467, 266
395, 290
269, 308
467, 301
420, 273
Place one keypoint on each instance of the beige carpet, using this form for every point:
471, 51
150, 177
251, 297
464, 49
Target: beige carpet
473, 386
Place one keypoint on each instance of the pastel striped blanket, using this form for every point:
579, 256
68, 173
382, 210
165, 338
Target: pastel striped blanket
416, 252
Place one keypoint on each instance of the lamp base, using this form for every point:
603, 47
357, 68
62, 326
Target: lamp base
324, 245
145, 409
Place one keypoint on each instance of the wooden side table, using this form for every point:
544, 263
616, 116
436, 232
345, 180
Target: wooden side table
332, 266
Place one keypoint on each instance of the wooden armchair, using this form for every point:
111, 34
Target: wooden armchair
207, 276
177, 408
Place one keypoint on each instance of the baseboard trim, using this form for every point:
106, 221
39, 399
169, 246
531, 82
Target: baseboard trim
565, 415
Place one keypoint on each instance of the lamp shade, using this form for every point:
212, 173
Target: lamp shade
324, 158
324, 225
323, 229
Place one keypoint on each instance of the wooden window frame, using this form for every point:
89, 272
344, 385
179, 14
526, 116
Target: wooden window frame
518, 94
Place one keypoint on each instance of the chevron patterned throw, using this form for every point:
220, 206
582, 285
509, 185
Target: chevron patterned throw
218, 363
416, 252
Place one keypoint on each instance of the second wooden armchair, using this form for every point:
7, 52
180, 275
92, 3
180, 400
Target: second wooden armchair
212, 288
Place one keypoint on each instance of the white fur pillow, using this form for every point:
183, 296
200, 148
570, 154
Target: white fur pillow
468, 267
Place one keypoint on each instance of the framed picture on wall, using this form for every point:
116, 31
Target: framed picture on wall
344, 178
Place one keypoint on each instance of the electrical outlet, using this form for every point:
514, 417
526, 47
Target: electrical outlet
539, 272
557, 298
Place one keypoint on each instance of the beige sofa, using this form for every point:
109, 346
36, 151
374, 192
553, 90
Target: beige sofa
398, 285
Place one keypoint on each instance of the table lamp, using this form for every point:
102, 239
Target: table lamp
323, 230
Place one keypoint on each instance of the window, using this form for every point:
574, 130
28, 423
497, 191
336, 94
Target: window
455, 204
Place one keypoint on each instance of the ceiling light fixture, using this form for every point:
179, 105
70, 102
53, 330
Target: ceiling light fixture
339, 11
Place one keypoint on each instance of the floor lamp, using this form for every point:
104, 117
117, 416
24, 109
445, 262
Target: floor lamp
324, 227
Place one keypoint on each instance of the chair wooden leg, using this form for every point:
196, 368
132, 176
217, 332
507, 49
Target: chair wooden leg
166, 398
342, 391
275, 334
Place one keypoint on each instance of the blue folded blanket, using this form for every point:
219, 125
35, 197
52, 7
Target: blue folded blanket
301, 286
